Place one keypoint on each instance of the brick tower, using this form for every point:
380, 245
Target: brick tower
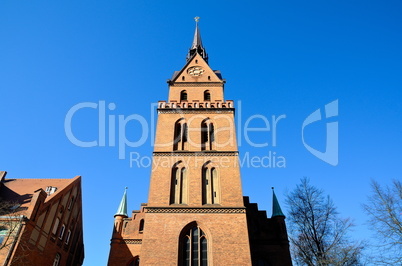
196, 213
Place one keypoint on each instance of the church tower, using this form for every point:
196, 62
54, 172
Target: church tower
196, 213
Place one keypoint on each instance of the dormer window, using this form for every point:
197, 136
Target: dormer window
50, 190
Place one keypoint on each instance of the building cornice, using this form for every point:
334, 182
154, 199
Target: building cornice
195, 110
217, 210
196, 84
196, 153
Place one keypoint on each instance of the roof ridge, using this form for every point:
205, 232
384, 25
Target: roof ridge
47, 178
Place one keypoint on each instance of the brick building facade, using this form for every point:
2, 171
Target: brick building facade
41, 222
196, 213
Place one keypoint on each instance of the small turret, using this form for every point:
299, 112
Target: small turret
119, 216
276, 208
122, 210
279, 219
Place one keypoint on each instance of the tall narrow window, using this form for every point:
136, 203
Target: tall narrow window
68, 236
63, 228
215, 193
56, 261
211, 135
55, 226
207, 95
180, 135
184, 136
178, 191
207, 135
177, 135
194, 247
183, 96
210, 185
141, 229
205, 186
70, 204
204, 136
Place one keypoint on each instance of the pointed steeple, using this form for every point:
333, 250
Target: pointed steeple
276, 208
122, 210
197, 47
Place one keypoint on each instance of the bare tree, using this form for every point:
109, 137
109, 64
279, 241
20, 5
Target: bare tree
318, 236
12, 220
384, 208
9, 223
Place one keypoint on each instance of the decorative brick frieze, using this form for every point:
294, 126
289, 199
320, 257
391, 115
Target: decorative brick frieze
132, 241
197, 153
194, 210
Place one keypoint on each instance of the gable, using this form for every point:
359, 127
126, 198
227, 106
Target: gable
196, 70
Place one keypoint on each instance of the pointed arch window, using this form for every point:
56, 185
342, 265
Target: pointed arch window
178, 191
180, 135
207, 135
207, 95
194, 247
210, 185
183, 95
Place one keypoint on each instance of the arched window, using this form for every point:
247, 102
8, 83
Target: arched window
210, 185
178, 191
56, 261
193, 247
141, 228
183, 96
207, 135
207, 95
180, 135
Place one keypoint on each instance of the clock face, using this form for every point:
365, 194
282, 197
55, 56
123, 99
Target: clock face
195, 71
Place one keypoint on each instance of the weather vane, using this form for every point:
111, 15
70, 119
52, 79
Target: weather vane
197, 19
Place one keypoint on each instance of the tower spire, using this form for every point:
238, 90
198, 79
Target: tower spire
122, 210
276, 208
197, 47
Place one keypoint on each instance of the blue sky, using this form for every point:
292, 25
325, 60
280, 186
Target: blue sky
278, 57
